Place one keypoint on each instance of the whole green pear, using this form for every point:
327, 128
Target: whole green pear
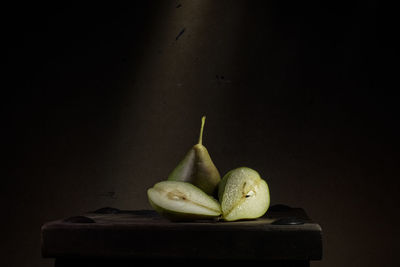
197, 168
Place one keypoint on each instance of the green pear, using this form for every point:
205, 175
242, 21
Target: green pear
182, 201
198, 168
243, 194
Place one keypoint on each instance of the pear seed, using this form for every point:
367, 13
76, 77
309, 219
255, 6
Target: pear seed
250, 194
176, 195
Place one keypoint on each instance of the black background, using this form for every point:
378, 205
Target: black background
102, 101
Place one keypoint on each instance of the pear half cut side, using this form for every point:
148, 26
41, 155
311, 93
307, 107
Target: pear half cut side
243, 194
182, 201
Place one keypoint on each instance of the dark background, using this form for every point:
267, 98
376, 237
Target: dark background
100, 102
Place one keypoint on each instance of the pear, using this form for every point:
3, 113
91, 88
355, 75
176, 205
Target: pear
243, 194
198, 168
182, 201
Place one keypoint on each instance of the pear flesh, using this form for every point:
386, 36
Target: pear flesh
198, 168
182, 201
243, 194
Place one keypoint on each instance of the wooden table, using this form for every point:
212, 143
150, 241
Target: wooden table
110, 237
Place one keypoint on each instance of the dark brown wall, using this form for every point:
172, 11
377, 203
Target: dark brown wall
102, 101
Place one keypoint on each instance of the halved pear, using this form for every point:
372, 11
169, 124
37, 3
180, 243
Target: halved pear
243, 194
182, 201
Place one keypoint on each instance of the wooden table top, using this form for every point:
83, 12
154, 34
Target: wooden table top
284, 233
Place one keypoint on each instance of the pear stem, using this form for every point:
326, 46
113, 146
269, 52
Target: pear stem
203, 121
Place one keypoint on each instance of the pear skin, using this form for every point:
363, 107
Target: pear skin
197, 168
